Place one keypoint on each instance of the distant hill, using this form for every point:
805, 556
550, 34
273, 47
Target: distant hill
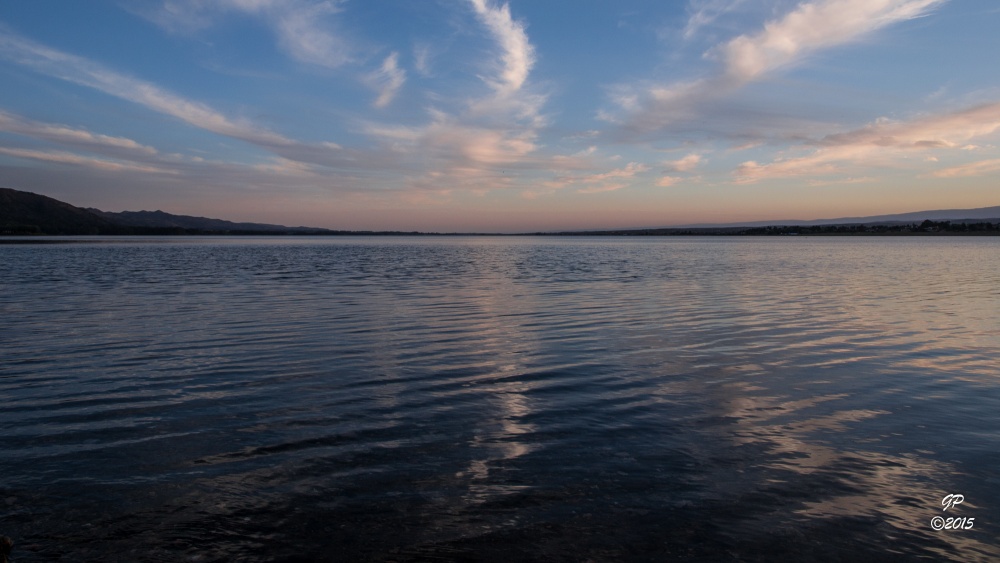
161, 219
26, 213
991, 214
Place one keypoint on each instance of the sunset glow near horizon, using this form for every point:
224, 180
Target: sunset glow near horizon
488, 116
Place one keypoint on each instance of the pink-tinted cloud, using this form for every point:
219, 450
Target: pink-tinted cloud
882, 143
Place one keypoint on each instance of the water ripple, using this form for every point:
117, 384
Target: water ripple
462, 398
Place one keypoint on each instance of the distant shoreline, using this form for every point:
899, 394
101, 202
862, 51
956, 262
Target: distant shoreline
927, 228
26, 214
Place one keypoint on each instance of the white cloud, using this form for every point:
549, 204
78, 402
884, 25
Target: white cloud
388, 79
808, 28
484, 144
686, 164
667, 181
518, 54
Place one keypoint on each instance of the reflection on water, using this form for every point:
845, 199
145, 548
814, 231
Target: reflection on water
499, 399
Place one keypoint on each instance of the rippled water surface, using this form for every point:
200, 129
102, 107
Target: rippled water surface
500, 399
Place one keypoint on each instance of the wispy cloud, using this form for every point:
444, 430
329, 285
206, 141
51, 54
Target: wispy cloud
841, 181
602, 188
971, 169
449, 138
422, 56
62, 157
301, 36
79, 70
808, 28
388, 79
706, 12
66, 135
881, 144
629, 171
611, 180
471, 148
811, 27
950, 130
302, 27
518, 55
82, 71
468, 148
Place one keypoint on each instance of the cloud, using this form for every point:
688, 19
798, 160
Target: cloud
629, 171
482, 144
79, 70
61, 157
882, 143
285, 167
301, 37
808, 28
449, 139
87, 73
301, 27
422, 59
951, 130
706, 13
971, 169
811, 27
601, 182
686, 164
388, 79
816, 165
518, 55
66, 135
601, 189
842, 181
667, 181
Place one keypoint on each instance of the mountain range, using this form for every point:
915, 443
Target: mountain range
977, 214
26, 213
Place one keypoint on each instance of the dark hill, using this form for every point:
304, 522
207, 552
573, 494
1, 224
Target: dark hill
25, 213
164, 220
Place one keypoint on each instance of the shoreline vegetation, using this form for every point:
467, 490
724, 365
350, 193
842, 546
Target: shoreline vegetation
25, 214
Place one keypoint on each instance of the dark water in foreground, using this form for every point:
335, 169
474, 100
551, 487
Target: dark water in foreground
500, 399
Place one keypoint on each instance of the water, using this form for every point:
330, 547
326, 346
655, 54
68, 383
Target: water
499, 399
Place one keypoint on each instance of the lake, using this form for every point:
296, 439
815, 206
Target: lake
500, 399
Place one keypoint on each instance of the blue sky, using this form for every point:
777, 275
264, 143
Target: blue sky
459, 115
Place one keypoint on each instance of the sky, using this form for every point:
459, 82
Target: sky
489, 116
